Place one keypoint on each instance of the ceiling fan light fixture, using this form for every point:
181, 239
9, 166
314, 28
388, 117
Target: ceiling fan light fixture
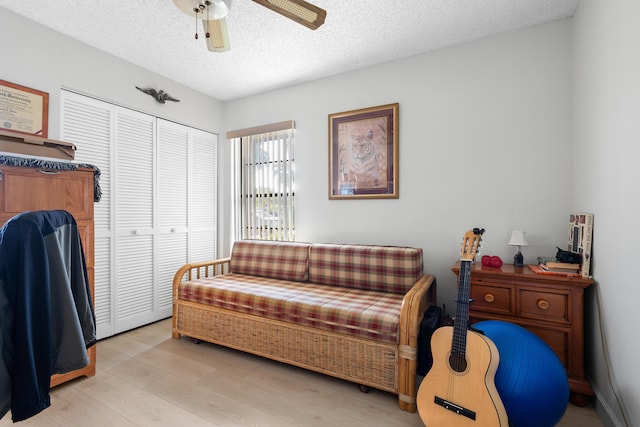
212, 14
217, 9
204, 9
219, 37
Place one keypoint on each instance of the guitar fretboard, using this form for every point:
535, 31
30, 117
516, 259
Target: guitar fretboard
461, 324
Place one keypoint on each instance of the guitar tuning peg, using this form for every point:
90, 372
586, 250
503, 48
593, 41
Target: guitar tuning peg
479, 231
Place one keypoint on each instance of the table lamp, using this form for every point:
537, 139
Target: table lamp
518, 239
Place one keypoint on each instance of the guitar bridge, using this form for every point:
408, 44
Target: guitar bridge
460, 410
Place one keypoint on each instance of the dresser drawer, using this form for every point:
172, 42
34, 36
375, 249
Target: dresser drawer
27, 189
492, 299
557, 340
547, 305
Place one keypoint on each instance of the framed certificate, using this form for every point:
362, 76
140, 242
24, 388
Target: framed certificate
23, 110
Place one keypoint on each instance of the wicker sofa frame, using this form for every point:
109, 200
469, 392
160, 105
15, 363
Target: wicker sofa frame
385, 366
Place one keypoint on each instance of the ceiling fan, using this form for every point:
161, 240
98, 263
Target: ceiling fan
212, 13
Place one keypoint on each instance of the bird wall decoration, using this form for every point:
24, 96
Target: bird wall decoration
159, 95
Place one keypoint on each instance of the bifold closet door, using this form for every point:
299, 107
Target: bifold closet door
88, 123
186, 202
173, 202
134, 169
203, 200
120, 142
158, 208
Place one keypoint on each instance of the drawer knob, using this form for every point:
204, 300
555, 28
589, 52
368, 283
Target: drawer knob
489, 298
543, 304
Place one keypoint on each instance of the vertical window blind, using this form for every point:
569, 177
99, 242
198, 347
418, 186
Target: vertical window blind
263, 184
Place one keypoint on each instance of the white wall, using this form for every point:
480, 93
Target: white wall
42, 59
485, 140
606, 149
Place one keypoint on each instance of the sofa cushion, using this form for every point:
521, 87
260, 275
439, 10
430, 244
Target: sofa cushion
358, 312
278, 260
379, 268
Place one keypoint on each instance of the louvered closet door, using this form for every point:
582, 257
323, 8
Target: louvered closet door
135, 275
173, 199
204, 208
158, 207
88, 123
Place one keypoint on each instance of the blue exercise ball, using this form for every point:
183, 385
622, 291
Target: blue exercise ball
531, 381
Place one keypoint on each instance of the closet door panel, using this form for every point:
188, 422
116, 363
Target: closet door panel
173, 174
104, 304
172, 254
135, 277
204, 206
203, 244
173, 207
88, 123
134, 287
134, 135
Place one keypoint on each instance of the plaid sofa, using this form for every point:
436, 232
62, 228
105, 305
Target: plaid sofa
351, 311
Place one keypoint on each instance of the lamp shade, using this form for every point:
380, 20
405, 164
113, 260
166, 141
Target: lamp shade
518, 239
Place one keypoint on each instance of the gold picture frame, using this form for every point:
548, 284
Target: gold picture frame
363, 153
23, 110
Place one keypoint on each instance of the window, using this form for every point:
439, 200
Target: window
263, 169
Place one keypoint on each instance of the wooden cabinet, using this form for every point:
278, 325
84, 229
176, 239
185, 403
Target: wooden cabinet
550, 306
29, 189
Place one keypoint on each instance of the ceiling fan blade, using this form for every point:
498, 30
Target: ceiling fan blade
218, 40
304, 13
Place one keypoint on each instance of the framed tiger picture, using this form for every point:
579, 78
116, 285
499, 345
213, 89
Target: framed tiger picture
363, 153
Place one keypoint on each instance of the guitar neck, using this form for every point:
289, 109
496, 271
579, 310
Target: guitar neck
461, 324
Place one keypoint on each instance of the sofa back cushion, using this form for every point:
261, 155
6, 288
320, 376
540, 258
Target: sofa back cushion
379, 268
278, 260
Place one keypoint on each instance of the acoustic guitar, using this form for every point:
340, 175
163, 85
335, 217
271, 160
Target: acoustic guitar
459, 390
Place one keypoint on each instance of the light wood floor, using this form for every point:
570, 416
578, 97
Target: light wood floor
146, 378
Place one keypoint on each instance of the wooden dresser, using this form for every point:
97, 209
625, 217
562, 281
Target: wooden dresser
550, 306
30, 189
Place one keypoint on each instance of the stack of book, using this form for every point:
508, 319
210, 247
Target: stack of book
550, 265
560, 267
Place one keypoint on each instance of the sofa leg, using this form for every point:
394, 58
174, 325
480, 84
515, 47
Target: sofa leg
364, 388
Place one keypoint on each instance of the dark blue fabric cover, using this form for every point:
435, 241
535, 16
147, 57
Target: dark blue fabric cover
29, 247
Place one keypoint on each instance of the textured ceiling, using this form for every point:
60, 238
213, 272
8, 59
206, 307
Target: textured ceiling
269, 51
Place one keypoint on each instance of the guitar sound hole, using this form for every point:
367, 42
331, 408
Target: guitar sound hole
458, 361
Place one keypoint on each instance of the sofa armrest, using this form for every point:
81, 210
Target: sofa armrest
192, 271
414, 305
